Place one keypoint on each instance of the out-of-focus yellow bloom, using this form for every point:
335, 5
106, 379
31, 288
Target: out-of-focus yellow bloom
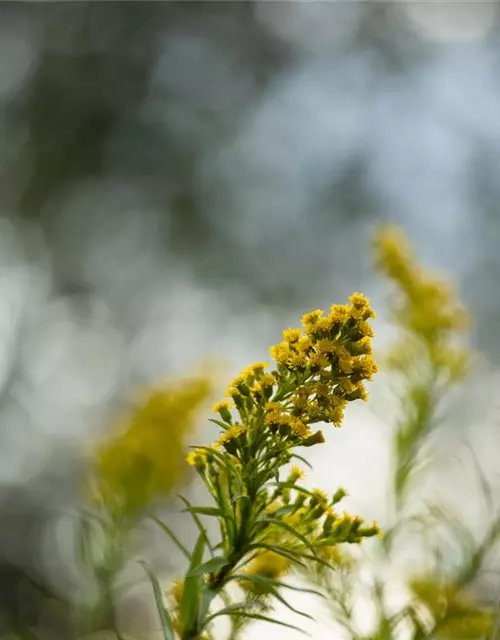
456, 616
267, 565
426, 307
146, 459
177, 591
296, 473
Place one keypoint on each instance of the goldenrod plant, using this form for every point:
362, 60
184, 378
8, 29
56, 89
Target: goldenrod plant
426, 362
271, 529
131, 472
267, 521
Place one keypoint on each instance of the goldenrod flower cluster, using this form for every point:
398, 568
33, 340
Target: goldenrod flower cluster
426, 307
310, 515
319, 370
268, 412
146, 459
454, 613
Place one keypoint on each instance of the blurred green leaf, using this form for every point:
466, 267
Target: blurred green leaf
165, 619
218, 562
172, 536
190, 602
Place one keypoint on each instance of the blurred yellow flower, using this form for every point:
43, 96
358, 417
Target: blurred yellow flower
455, 615
426, 306
146, 459
267, 565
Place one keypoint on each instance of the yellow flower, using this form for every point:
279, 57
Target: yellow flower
274, 417
303, 344
255, 370
320, 497
223, 406
233, 433
345, 361
145, 460
346, 385
337, 415
366, 367
224, 410
318, 360
297, 473
322, 325
365, 330
177, 591
233, 391
280, 353
325, 347
339, 313
267, 380
299, 429
284, 355
299, 401
426, 308
292, 335
196, 457
309, 319
361, 308
273, 406
268, 565
296, 360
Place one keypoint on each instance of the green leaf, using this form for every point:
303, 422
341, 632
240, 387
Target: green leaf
190, 602
172, 536
298, 488
252, 616
207, 595
276, 584
285, 585
83, 540
291, 555
240, 496
198, 522
485, 485
233, 609
224, 501
295, 554
283, 511
270, 586
208, 511
291, 530
166, 620
225, 463
303, 460
209, 567
219, 423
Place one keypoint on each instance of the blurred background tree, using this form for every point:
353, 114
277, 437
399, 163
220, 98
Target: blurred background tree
177, 180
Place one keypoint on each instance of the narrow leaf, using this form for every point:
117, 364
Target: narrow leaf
166, 620
198, 522
269, 585
291, 555
291, 530
190, 602
257, 616
172, 536
208, 511
277, 584
219, 423
208, 567
303, 460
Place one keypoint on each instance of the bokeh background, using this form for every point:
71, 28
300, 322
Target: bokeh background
180, 180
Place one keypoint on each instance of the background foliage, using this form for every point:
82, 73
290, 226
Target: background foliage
180, 181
